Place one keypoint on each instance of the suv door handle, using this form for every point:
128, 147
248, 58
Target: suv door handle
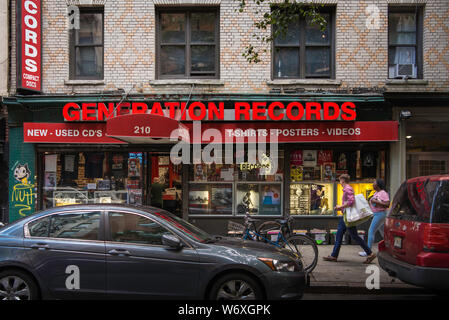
119, 252
40, 246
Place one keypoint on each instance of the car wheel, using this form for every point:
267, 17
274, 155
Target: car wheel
17, 285
236, 286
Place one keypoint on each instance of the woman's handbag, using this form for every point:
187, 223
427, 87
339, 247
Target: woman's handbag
358, 213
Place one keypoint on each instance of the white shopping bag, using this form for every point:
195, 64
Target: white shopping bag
358, 213
362, 206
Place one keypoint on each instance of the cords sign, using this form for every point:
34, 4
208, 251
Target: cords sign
29, 45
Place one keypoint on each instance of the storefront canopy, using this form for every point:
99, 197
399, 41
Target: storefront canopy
146, 128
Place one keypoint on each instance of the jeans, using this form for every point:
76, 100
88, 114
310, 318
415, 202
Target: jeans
353, 233
378, 219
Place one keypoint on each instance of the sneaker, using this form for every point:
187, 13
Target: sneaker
362, 254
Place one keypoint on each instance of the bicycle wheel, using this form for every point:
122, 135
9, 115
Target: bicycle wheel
266, 227
306, 248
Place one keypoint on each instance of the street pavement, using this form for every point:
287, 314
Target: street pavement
349, 274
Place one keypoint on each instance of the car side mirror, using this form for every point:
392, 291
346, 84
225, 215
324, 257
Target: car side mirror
171, 241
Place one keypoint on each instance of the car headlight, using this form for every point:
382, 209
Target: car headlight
278, 265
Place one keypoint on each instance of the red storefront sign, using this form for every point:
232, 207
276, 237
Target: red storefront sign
132, 129
66, 133
29, 45
288, 132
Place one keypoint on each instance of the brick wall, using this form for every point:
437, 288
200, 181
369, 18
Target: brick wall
361, 53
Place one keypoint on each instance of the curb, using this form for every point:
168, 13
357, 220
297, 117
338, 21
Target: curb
345, 288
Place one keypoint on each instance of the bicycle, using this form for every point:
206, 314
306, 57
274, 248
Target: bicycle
304, 247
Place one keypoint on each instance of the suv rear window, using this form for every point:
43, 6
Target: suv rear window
413, 201
441, 203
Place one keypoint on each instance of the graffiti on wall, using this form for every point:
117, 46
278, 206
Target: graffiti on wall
23, 190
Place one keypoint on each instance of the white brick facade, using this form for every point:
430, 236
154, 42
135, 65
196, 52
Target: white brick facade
129, 50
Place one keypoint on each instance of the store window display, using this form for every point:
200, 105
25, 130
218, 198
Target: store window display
92, 177
235, 189
313, 174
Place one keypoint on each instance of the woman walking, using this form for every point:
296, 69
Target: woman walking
348, 201
379, 203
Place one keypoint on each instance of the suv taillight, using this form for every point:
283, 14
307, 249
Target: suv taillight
435, 238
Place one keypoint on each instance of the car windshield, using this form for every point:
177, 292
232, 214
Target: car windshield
183, 226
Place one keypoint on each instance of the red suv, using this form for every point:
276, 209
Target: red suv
415, 248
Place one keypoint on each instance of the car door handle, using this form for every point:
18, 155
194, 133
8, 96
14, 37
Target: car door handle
119, 252
40, 246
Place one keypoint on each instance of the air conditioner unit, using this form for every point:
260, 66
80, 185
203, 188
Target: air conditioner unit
405, 71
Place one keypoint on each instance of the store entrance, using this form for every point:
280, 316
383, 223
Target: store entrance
166, 183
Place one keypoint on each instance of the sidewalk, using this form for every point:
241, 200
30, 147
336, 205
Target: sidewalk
348, 274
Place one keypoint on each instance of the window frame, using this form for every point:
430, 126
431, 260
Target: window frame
419, 16
73, 46
101, 228
331, 10
187, 44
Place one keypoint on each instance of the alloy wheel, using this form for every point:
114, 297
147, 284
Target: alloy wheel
236, 290
14, 288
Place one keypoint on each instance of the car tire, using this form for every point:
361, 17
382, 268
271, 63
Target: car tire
236, 286
17, 285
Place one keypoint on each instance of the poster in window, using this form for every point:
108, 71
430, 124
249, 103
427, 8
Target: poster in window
197, 197
200, 172
296, 173
296, 158
328, 171
271, 199
221, 202
247, 199
117, 162
135, 196
214, 172
50, 180
342, 161
69, 163
309, 158
51, 161
324, 156
133, 168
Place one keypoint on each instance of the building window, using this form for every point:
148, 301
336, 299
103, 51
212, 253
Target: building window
86, 46
405, 42
187, 43
305, 51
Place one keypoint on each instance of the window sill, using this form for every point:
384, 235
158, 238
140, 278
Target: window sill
206, 82
320, 82
84, 82
403, 82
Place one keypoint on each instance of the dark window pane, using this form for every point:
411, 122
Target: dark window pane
292, 35
173, 28
82, 226
314, 35
172, 60
441, 205
317, 61
132, 228
203, 27
203, 58
91, 29
89, 61
39, 228
402, 28
286, 62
